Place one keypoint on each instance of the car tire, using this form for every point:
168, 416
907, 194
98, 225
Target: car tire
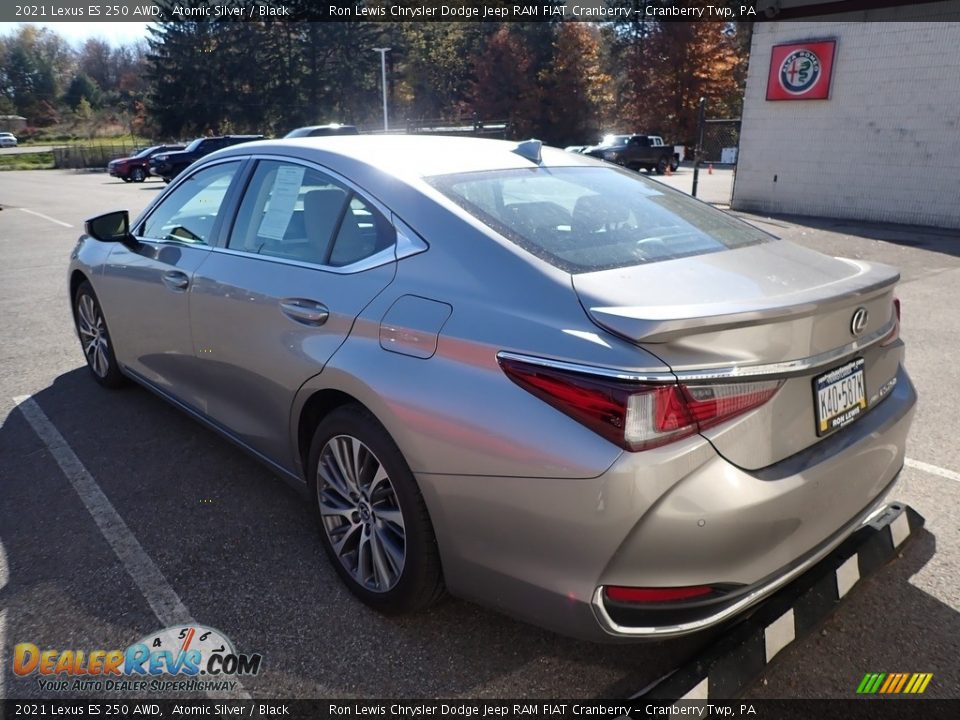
125, 178
95, 338
137, 175
662, 166
373, 522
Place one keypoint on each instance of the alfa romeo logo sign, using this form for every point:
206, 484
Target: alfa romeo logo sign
801, 71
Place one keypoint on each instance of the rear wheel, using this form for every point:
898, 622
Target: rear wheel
662, 166
137, 175
95, 338
373, 522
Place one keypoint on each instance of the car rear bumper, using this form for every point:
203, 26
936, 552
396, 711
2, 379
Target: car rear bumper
543, 549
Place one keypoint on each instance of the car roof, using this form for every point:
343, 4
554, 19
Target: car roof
407, 156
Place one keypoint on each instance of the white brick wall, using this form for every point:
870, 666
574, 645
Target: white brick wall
884, 147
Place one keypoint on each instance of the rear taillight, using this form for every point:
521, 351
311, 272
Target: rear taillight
638, 416
894, 334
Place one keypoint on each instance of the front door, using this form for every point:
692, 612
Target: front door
152, 280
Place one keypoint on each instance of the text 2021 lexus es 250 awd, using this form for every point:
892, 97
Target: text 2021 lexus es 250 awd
528, 377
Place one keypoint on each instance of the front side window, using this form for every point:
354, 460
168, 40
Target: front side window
189, 213
298, 213
583, 219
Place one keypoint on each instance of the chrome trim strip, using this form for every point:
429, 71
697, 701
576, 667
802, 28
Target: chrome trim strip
384, 257
666, 631
788, 367
733, 372
626, 375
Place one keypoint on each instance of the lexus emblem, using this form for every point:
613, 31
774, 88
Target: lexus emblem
858, 323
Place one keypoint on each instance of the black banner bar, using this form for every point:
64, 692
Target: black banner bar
865, 709
621, 11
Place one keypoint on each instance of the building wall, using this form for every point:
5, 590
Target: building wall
884, 147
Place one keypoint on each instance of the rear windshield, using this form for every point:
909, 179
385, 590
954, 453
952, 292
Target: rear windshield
583, 219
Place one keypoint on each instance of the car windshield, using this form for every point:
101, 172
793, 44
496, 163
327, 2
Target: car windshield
583, 219
146, 152
194, 144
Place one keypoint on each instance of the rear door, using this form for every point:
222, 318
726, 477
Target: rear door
306, 253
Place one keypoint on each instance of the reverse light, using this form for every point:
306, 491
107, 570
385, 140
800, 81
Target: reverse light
894, 334
638, 416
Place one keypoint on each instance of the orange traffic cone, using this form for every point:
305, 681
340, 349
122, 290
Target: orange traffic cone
710, 169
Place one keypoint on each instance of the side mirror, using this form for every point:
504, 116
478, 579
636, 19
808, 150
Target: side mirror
110, 227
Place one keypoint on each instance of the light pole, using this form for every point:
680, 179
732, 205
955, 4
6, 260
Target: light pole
383, 76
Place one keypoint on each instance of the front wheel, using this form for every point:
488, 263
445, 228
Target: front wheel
373, 522
662, 166
95, 338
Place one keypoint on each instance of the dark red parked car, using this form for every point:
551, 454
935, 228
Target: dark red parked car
136, 168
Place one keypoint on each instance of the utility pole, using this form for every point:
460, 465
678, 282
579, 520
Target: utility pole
701, 118
383, 77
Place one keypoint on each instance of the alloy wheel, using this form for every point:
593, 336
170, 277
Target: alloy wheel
93, 335
361, 513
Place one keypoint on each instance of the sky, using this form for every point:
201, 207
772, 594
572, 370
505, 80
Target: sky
116, 33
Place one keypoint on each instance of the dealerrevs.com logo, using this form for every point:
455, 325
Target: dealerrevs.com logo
187, 659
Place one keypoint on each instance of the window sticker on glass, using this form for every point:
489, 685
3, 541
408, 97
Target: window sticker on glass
283, 198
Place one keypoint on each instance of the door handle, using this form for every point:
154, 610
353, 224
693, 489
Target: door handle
175, 280
306, 312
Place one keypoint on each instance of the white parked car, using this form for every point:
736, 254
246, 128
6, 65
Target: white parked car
7, 139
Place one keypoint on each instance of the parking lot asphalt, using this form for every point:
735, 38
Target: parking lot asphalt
239, 550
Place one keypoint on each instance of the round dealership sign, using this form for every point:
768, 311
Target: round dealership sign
800, 71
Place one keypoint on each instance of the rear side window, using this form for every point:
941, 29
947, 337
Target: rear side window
298, 213
588, 219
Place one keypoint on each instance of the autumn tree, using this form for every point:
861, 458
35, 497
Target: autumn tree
504, 85
678, 63
577, 93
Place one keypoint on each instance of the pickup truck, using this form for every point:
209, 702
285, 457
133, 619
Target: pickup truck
636, 152
169, 165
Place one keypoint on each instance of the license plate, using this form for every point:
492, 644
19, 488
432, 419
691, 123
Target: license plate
840, 396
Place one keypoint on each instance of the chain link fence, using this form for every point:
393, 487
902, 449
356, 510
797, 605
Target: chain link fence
94, 155
721, 141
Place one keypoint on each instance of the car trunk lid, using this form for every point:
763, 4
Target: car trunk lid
772, 310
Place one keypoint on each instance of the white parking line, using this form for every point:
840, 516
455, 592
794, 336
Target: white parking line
47, 217
932, 469
163, 600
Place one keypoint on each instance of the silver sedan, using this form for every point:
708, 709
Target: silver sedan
517, 374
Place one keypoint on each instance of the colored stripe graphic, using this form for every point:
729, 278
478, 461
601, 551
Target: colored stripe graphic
894, 683
903, 680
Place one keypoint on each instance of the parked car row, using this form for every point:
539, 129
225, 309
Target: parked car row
168, 161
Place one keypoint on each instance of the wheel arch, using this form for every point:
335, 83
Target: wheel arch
76, 278
318, 405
